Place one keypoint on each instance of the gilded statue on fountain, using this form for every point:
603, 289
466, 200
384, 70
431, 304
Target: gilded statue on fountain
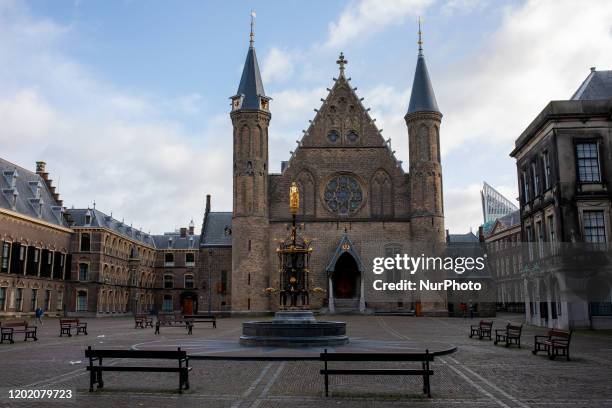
293, 256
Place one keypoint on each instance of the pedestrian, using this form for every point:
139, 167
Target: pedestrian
463, 307
471, 310
39, 315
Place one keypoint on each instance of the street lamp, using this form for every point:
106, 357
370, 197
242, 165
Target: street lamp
210, 252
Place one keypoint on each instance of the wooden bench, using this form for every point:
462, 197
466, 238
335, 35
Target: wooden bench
555, 343
512, 333
10, 327
142, 321
67, 325
483, 329
425, 358
96, 367
191, 319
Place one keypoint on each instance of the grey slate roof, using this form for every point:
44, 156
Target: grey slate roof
101, 220
251, 86
33, 197
597, 85
462, 238
174, 240
217, 229
509, 220
422, 98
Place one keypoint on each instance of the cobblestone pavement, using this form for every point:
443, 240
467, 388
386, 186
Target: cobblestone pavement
479, 374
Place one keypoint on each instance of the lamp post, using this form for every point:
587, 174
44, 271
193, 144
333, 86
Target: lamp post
210, 252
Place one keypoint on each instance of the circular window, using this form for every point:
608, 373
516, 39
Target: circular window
352, 136
333, 136
343, 195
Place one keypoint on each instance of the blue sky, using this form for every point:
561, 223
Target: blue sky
127, 101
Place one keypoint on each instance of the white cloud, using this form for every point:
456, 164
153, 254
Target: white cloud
100, 143
541, 52
278, 65
367, 17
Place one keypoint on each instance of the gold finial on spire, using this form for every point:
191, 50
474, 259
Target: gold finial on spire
342, 62
294, 198
420, 42
252, 35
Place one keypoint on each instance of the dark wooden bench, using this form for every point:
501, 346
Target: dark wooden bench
67, 325
10, 327
96, 367
483, 329
555, 343
142, 321
425, 358
512, 333
191, 319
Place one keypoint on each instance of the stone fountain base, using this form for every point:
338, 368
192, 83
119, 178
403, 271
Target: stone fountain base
293, 329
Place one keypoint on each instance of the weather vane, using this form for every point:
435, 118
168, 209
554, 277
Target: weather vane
420, 42
252, 35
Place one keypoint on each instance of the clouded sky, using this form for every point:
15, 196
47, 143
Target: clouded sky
127, 101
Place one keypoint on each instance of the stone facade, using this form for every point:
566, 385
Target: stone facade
352, 188
563, 166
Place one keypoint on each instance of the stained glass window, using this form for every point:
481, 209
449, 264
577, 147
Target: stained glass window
352, 136
343, 195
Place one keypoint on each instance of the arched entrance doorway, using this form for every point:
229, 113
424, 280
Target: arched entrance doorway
345, 277
189, 303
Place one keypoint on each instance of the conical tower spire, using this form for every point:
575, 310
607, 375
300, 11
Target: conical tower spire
251, 94
422, 98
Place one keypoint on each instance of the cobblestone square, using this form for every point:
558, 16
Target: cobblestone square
477, 374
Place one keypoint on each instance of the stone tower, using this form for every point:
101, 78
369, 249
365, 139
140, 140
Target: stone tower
250, 118
426, 207
423, 121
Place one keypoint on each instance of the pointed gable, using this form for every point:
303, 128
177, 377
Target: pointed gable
344, 246
342, 121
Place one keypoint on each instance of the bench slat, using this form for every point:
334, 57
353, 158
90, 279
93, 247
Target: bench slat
139, 369
377, 371
377, 357
151, 354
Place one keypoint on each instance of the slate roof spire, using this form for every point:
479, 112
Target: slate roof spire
422, 98
251, 94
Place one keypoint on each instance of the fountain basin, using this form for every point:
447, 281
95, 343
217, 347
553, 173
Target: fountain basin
293, 329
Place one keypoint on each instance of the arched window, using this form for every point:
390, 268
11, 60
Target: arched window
81, 301
168, 281
188, 281
85, 242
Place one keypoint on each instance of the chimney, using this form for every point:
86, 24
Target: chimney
40, 170
207, 203
191, 228
183, 232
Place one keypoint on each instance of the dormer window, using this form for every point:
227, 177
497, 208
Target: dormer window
169, 242
237, 102
264, 104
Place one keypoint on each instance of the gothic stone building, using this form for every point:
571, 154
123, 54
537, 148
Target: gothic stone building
357, 202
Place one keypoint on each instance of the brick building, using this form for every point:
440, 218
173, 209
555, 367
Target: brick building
564, 163
34, 242
356, 200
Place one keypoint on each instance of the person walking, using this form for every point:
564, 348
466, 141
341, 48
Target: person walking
39, 315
